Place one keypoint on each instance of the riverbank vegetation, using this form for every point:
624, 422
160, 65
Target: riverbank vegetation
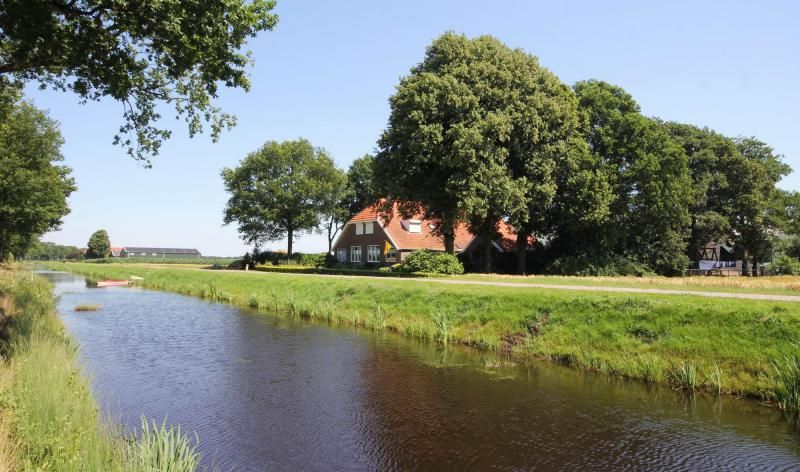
694, 343
49, 420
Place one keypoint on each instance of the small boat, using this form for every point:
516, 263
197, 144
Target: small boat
112, 283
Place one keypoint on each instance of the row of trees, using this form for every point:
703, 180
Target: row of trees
285, 189
479, 132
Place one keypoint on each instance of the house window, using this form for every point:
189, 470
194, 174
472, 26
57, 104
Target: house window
341, 255
355, 254
391, 255
373, 253
414, 227
359, 228
368, 228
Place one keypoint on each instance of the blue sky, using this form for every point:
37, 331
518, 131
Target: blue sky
327, 71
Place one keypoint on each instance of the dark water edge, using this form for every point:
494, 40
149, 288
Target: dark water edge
267, 393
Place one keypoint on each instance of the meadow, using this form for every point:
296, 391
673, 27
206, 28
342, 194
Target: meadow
49, 420
741, 347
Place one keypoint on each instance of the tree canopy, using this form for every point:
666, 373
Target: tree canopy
34, 186
279, 191
478, 132
99, 245
141, 54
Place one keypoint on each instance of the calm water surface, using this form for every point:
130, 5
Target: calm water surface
265, 393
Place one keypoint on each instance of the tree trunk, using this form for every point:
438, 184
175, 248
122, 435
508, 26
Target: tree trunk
522, 252
486, 250
755, 266
745, 268
290, 232
448, 231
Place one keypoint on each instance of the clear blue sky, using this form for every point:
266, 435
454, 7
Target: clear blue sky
327, 71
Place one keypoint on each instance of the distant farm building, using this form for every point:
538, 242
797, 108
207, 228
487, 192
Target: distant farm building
158, 252
115, 251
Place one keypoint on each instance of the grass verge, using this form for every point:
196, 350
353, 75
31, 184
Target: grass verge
716, 345
48, 417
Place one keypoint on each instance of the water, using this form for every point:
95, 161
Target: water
266, 393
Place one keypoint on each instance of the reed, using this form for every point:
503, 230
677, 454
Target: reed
162, 448
785, 381
684, 376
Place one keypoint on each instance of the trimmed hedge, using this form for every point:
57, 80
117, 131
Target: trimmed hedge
429, 262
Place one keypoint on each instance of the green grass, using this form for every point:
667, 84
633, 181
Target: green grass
223, 261
50, 419
641, 336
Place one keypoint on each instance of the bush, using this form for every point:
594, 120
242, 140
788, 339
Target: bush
597, 267
429, 262
786, 265
281, 258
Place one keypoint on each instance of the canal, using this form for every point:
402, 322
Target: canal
266, 393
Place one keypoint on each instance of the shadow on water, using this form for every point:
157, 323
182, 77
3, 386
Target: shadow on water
264, 392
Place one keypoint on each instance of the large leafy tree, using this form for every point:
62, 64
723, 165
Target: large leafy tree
649, 176
758, 213
140, 53
99, 245
475, 134
33, 185
279, 191
710, 157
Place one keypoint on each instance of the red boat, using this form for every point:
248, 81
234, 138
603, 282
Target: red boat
112, 283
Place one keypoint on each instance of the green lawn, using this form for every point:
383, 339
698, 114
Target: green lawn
641, 336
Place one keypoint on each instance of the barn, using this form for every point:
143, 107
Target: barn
159, 252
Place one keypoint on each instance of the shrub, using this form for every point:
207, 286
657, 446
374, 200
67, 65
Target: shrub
429, 262
786, 265
281, 258
597, 266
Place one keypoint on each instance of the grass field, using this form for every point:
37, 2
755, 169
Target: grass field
49, 420
690, 342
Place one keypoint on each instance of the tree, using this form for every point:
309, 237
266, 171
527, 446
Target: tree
475, 134
33, 185
142, 54
709, 155
335, 194
758, 213
42, 250
279, 191
361, 184
649, 177
99, 245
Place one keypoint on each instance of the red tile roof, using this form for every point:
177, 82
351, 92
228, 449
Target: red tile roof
425, 239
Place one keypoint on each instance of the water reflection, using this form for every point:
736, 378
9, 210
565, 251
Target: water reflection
266, 393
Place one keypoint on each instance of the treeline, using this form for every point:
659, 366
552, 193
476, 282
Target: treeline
46, 251
480, 133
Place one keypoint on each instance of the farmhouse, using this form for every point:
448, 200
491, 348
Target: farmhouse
115, 251
370, 238
159, 252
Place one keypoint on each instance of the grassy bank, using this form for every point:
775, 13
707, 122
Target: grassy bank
718, 345
48, 417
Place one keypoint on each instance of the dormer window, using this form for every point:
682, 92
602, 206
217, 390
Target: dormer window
414, 226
